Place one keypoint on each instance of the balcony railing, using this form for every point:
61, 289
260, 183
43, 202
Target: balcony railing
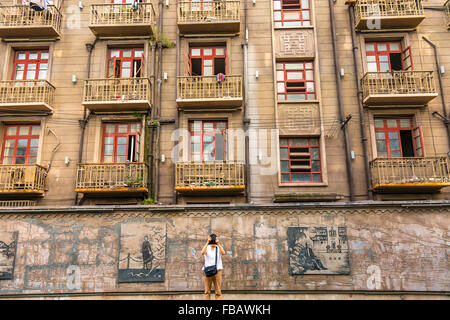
388, 14
447, 12
399, 87
197, 91
31, 95
402, 173
112, 177
126, 93
210, 176
121, 20
219, 16
22, 179
22, 20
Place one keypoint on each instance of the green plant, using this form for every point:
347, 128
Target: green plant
137, 115
153, 123
160, 37
133, 182
148, 201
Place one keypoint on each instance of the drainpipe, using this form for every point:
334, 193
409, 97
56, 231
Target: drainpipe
90, 47
246, 121
340, 103
158, 110
150, 155
360, 105
441, 87
177, 115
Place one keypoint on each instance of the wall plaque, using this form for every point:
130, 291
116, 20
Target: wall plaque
8, 249
142, 252
298, 119
318, 250
294, 44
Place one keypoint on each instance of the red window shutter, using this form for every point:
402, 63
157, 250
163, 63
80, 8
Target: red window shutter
407, 59
188, 64
418, 141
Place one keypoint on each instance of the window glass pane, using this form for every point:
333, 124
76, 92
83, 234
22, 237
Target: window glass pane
207, 139
24, 130
33, 56
207, 63
121, 149
44, 55
291, 15
110, 128
383, 58
126, 53
207, 71
384, 67
42, 74
315, 166
207, 52
304, 177
311, 96
314, 153
380, 135
123, 128
393, 135
195, 52
280, 87
277, 5
379, 123
314, 142
305, 15
121, 158
220, 51
208, 126
32, 160
394, 144
283, 142
280, 75
396, 154
31, 75
370, 47
284, 166
382, 154
394, 46
220, 126
306, 23
122, 140
21, 56
305, 4
296, 97
115, 54
108, 149
284, 153
21, 152
138, 53
309, 75
285, 178
291, 66
317, 177
107, 159
18, 75
109, 140
33, 151
392, 123
20, 160
308, 65
195, 147
197, 126
34, 142
294, 75
405, 123
310, 86
381, 145
298, 142
381, 47
372, 67
371, 59
22, 142
11, 131
277, 16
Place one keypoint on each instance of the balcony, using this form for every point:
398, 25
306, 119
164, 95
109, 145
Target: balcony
447, 11
209, 17
210, 178
376, 15
119, 20
206, 92
398, 88
399, 175
112, 178
22, 179
26, 95
117, 94
23, 22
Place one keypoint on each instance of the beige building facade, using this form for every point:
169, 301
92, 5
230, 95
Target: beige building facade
267, 122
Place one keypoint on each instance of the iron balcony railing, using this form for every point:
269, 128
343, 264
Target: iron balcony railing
210, 175
26, 91
24, 178
207, 88
98, 177
411, 171
208, 11
117, 90
398, 82
121, 14
25, 16
371, 9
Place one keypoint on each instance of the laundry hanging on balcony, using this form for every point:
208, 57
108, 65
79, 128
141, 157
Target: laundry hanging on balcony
220, 77
37, 5
135, 5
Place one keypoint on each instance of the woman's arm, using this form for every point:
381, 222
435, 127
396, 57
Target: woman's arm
222, 252
206, 246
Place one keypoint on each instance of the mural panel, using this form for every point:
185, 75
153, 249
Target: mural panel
142, 252
318, 250
8, 248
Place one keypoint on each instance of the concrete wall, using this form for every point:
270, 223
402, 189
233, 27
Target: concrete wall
393, 248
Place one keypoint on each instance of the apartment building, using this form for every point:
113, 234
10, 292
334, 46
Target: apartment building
264, 121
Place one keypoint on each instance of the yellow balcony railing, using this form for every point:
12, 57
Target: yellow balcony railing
22, 20
210, 176
112, 177
391, 13
208, 11
402, 87
428, 172
103, 93
22, 178
121, 19
193, 90
27, 94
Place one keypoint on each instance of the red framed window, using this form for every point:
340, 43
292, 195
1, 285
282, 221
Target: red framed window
398, 138
21, 144
121, 142
208, 140
125, 1
300, 160
125, 63
206, 61
291, 13
30, 65
387, 56
295, 81
203, 5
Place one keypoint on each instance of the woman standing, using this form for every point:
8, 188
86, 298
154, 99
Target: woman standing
211, 248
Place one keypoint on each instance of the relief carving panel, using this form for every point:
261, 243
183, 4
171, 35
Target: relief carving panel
294, 44
299, 119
